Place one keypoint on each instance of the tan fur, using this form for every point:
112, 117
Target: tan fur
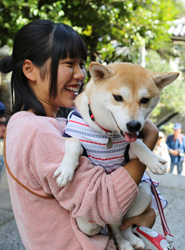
132, 82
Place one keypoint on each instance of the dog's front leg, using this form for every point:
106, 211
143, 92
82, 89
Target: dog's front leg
65, 172
87, 227
155, 163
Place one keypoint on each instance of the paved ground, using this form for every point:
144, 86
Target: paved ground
172, 188
9, 236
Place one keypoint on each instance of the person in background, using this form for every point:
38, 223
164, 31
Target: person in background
2, 109
161, 149
2, 126
176, 148
2, 130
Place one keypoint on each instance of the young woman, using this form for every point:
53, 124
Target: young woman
48, 68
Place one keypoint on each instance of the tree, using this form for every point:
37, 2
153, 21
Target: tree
103, 24
172, 97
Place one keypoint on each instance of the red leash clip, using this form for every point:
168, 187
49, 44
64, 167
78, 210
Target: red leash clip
152, 239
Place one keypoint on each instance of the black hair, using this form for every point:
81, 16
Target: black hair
38, 41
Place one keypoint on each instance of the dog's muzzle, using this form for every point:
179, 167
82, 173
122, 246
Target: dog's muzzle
133, 126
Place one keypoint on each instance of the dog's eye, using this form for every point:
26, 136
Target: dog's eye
118, 98
145, 100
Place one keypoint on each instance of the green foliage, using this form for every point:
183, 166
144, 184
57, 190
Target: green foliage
113, 30
102, 23
172, 97
168, 128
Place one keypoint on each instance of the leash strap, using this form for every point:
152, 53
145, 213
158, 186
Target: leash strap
166, 230
20, 183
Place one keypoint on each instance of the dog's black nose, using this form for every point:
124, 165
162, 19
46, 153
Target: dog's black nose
133, 126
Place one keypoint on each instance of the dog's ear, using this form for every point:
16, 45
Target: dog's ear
99, 71
164, 79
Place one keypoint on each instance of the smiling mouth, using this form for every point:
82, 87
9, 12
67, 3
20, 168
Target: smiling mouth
74, 89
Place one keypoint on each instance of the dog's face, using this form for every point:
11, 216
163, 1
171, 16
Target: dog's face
122, 95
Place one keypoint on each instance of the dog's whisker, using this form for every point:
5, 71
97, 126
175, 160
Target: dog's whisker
118, 128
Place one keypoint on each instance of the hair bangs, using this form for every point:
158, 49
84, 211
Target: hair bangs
69, 43
76, 48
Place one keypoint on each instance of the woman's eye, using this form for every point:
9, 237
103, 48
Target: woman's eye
145, 100
118, 98
69, 63
82, 65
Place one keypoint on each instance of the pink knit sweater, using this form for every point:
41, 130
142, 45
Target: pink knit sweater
34, 150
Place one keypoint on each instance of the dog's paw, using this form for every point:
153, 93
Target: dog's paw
125, 245
63, 175
157, 165
137, 243
134, 241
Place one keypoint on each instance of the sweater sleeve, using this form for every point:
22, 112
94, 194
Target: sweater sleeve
92, 193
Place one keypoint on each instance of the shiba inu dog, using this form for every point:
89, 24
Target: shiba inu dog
110, 113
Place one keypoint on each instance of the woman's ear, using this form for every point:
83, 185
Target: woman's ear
29, 70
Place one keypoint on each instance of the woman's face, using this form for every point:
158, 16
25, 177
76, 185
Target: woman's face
71, 75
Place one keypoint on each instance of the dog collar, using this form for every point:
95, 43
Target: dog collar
93, 119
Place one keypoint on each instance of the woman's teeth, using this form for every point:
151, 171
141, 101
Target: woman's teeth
74, 90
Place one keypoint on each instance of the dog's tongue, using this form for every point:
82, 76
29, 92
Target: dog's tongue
130, 137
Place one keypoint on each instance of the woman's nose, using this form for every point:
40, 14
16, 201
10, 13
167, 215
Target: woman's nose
80, 73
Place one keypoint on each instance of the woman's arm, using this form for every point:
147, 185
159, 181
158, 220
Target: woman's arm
92, 193
150, 134
146, 219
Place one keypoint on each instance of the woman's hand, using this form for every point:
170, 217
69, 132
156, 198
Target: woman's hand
147, 219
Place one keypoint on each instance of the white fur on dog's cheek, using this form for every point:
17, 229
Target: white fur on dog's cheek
121, 115
141, 115
100, 105
153, 103
100, 95
106, 109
